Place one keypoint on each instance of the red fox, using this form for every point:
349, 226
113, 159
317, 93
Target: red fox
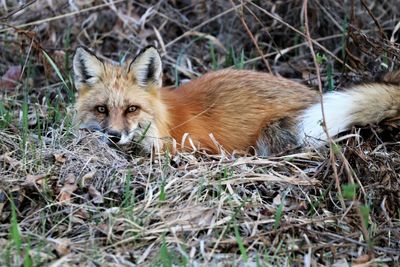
233, 110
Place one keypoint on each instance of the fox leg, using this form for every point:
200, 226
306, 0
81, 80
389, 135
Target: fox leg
277, 137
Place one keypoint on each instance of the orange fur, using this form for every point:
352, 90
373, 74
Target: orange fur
233, 106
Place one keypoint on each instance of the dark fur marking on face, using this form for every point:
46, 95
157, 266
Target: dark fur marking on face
127, 130
104, 124
126, 124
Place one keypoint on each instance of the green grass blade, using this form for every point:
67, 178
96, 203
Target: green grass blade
14, 231
278, 216
165, 255
56, 69
240, 243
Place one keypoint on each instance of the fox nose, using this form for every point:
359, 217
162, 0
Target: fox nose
114, 136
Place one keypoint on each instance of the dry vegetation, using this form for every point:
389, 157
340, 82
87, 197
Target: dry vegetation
67, 199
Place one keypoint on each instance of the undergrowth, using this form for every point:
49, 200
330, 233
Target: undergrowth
68, 199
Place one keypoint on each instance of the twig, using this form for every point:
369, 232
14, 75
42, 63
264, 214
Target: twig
381, 31
302, 34
288, 49
202, 24
17, 10
250, 34
37, 22
324, 126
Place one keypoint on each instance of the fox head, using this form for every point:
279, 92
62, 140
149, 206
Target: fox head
123, 100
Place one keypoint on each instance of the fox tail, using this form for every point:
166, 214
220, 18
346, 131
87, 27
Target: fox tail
360, 105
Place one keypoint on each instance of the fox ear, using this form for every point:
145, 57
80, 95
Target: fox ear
147, 67
88, 68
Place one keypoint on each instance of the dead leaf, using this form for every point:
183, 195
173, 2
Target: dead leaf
362, 259
68, 188
97, 198
82, 214
10, 161
62, 246
87, 176
10, 78
34, 180
194, 215
277, 200
61, 158
103, 228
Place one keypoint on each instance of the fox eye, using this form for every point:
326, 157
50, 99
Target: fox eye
101, 109
132, 109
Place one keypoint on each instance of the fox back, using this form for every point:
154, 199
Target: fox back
229, 109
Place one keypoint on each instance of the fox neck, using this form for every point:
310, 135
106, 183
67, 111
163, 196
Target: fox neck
174, 111
161, 120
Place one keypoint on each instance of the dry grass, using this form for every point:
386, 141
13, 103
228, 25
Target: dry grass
68, 199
